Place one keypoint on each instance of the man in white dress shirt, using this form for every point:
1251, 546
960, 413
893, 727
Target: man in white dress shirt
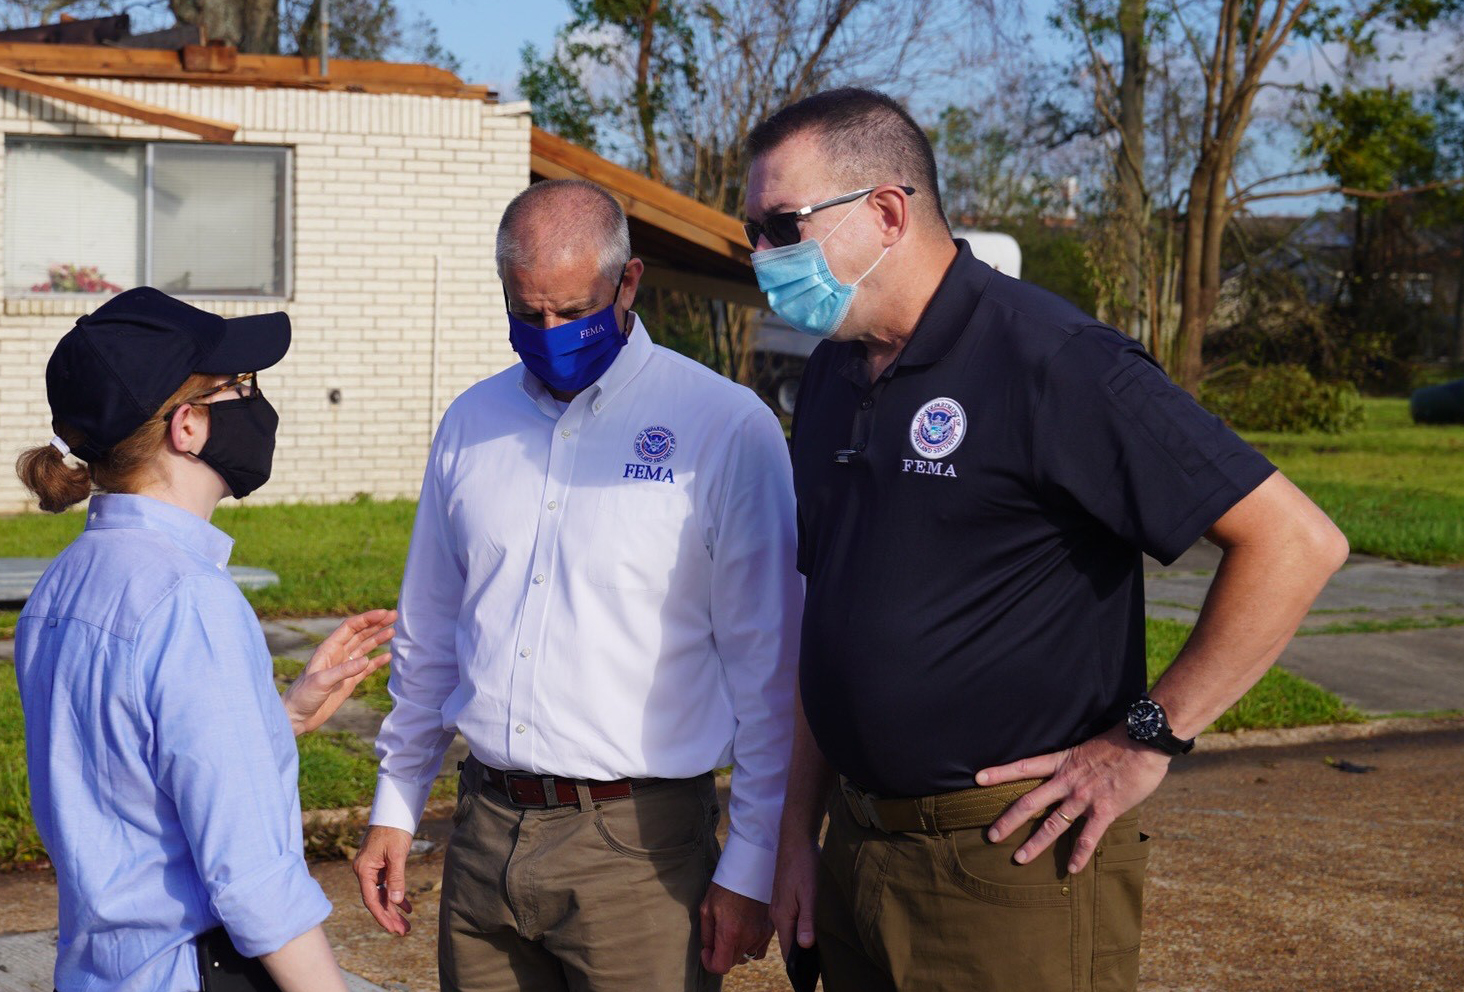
601, 597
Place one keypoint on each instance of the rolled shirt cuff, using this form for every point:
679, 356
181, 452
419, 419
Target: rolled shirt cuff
399, 804
266, 909
745, 868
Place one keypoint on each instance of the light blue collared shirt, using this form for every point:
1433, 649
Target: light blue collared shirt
163, 769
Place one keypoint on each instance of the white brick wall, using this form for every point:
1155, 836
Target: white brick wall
389, 190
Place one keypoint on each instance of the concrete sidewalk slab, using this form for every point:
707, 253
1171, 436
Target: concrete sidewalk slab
28, 961
1412, 671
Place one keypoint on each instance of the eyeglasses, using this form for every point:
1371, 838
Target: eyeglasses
245, 383
782, 229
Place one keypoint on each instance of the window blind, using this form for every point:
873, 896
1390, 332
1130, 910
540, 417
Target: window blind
217, 219
72, 203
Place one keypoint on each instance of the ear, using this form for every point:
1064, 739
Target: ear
634, 269
895, 217
187, 430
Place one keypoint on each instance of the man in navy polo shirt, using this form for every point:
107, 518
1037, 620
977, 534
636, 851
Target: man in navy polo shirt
979, 467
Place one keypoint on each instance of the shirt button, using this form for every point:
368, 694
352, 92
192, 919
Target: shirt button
866, 404
520, 729
565, 433
526, 652
539, 578
553, 504
597, 408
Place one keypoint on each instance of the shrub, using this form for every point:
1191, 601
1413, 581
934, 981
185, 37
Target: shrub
1281, 398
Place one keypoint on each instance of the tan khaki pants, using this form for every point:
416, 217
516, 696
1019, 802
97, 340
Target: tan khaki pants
600, 899
922, 913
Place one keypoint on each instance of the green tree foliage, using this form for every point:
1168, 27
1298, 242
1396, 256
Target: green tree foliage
647, 42
1373, 139
1392, 152
1225, 50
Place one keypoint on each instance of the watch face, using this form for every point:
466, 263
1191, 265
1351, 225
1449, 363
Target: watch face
1145, 720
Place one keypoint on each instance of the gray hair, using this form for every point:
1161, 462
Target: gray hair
560, 213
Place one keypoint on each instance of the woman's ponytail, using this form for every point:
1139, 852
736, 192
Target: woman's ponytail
58, 485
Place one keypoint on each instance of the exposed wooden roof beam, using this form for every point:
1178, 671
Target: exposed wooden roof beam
57, 89
248, 70
554, 158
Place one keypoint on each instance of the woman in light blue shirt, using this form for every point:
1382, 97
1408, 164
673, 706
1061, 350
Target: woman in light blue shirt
163, 769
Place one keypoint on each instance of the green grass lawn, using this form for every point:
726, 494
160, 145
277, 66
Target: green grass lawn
1396, 489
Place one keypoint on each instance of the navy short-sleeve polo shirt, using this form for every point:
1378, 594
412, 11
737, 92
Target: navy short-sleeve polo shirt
971, 525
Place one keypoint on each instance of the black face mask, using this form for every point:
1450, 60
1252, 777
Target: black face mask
241, 441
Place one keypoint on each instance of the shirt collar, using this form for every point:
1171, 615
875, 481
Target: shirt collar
128, 511
631, 359
950, 310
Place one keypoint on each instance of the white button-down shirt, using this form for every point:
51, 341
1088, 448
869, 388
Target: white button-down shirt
604, 590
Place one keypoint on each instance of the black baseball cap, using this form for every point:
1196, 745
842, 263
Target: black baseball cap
120, 363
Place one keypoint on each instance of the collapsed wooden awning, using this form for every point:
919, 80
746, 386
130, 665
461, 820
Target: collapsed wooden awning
686, 245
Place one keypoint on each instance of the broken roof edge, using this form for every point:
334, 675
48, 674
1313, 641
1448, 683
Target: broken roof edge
286, 71
724, 233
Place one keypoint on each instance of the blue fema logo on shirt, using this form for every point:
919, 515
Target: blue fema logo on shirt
655, 444
938, 427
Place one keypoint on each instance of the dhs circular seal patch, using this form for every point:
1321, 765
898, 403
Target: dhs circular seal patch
655, 444
938, 427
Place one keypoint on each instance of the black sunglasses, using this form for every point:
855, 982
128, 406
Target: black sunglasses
782, 229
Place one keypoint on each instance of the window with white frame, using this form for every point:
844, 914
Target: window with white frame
86, 216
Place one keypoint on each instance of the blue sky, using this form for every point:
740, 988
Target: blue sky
487, 34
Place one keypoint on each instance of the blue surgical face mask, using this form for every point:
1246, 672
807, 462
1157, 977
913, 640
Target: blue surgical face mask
572, 356
800, 287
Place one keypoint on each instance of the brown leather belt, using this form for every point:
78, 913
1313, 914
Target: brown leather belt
530, 791
963, 810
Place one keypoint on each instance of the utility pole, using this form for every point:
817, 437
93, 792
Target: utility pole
325, 37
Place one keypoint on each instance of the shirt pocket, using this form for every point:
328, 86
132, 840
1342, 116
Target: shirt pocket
642, 537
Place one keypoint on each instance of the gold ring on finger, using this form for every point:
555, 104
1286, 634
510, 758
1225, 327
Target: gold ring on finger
1065, 818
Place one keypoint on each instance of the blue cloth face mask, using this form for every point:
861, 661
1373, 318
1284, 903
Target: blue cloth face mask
571, 356
800, 287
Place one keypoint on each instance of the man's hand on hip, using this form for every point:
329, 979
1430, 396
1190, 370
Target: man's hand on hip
381, 868
1100, 779
734, 929
795, 885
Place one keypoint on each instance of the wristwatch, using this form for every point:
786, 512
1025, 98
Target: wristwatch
1148, 724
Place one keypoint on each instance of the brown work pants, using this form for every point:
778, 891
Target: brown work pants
600, 897
927, 912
